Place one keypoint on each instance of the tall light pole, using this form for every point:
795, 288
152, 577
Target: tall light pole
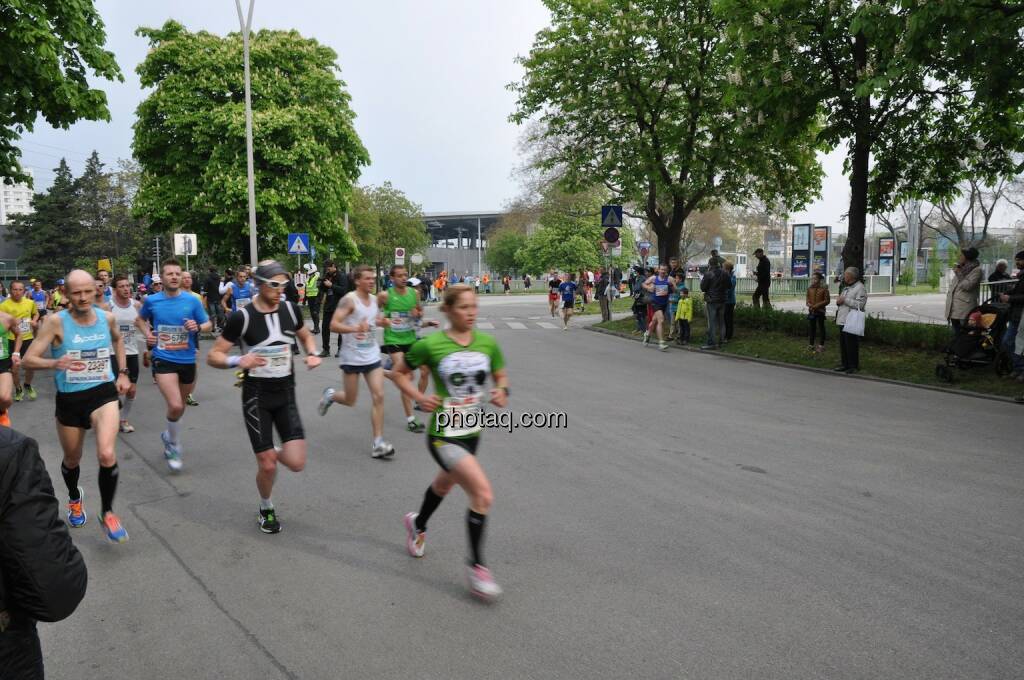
246, 24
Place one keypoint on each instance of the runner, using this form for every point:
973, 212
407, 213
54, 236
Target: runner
660, 286
40, 297
186, 285
237, 293
177, 318
462, 360
59, 298
567, 289
266, 331
10, 356
553, 284
82, 340
126, 312
24, 310
104, 277
360, 354
402, 310
101, 300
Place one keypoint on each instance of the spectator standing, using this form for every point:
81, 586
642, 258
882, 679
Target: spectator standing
730, 300
602, 296
639, 301
962, 296
715, 286
313, 295
1015, 297
211, 289
506, 283
764, 279
853, 296
683, 317
526, 281
42, 575
817, 301
333, 287
999, 273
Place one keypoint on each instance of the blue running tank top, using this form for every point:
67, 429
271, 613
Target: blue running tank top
240, 297
90, 348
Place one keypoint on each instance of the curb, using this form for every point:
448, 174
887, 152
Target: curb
811, 369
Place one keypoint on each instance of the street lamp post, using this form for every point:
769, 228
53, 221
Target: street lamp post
246, 24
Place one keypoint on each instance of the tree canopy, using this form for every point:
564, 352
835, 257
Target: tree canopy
919, 92
47, 50
383, 218
190, 140
633, 96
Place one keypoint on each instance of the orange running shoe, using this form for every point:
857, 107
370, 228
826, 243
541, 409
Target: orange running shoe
76, 510
113, 529
5, 418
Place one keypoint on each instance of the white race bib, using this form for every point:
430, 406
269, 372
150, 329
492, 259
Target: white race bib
88, 366
279, 362
365, 340
171, 338
25, 326
127, 333
400, 321
464, 416
41, 304
242, 302
661, 289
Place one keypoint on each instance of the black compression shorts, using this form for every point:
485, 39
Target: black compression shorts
268, 408
447, 451
75, 409
391, 349
186, 372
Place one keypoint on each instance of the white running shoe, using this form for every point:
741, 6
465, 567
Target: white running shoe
326, 400
415, 540
383, 450
481, 583
647, 338
172, 452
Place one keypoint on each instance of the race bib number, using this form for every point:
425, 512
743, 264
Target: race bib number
88, 366
463, 416
25, 326
279, 362
127, 334
242, 302
171, 338
40, 305
661, 289
400, 321
365, 340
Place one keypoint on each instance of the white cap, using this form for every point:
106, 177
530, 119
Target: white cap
309, 267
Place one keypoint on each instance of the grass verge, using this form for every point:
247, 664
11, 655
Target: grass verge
909, 364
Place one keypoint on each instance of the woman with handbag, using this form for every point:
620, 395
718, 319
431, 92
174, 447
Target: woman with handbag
817, 301
850, 319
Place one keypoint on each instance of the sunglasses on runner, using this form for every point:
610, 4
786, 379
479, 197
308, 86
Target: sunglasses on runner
272, 283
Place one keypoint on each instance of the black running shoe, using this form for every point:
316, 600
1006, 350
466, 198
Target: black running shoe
268, 521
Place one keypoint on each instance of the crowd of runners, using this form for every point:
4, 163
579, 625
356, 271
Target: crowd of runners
95, 333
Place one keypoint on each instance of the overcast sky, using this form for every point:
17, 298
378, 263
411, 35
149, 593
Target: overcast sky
427, 81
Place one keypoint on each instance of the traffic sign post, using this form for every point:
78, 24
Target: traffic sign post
298, 244
399, 255
185, 244
611, 216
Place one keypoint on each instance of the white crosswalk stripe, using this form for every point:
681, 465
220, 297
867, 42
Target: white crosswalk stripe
546, 324
485, 325
516, 325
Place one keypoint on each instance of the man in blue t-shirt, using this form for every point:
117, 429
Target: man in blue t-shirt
174, 319
567, 289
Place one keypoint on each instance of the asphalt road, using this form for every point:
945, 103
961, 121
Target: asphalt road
928, 308
690, 522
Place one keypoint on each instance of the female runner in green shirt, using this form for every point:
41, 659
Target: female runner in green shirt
461, 360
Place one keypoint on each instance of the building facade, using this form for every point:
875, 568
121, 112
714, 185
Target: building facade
15, 199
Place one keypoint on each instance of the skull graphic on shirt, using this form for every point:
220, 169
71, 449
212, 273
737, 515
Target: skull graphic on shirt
465, 373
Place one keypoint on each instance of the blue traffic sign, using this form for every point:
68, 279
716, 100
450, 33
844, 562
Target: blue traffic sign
611, 215
298, 244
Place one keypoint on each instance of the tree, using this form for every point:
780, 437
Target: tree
48, 234
916, 116
569, 235
502, 246
190, 140
383, 219
634, 97
47, 51
965, 219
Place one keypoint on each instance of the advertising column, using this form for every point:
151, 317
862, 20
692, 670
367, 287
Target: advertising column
822, 244
801, 262
886, 250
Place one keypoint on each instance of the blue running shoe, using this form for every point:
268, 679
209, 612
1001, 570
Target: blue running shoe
76, 510
113, 529
172, 452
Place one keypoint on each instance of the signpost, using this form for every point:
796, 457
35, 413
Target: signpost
399, 255
298, 244
185, 244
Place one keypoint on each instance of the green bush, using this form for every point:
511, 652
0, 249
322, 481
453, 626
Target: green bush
899, 334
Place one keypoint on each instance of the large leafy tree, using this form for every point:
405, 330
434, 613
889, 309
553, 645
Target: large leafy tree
47, 50
49, 235
919, 92
633, 95
190, 140
383, 219
502, 246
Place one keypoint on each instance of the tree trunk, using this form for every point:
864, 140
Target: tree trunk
853, 251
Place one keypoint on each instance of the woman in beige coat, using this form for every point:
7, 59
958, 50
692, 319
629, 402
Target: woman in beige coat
962, 296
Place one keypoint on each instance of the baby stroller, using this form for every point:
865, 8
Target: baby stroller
977, 343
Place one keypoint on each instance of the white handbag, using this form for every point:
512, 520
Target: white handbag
854, 322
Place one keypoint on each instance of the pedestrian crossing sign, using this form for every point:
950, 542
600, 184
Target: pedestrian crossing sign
298, 244
611, 215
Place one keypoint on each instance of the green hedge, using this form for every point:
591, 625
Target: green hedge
900, 334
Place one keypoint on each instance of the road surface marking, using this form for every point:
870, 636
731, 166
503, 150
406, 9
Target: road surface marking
516, 325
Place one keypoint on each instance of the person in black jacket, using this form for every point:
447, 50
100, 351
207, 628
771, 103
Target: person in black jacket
715, 286
764, 279
333, 287
211, 289
42, 574
1015, 298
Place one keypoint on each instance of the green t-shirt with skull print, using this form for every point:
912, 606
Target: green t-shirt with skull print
462, 374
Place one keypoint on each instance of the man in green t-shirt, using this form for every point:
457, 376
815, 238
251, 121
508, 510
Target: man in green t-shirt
400, 305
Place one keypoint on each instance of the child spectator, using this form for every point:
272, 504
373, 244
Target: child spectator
683, 316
